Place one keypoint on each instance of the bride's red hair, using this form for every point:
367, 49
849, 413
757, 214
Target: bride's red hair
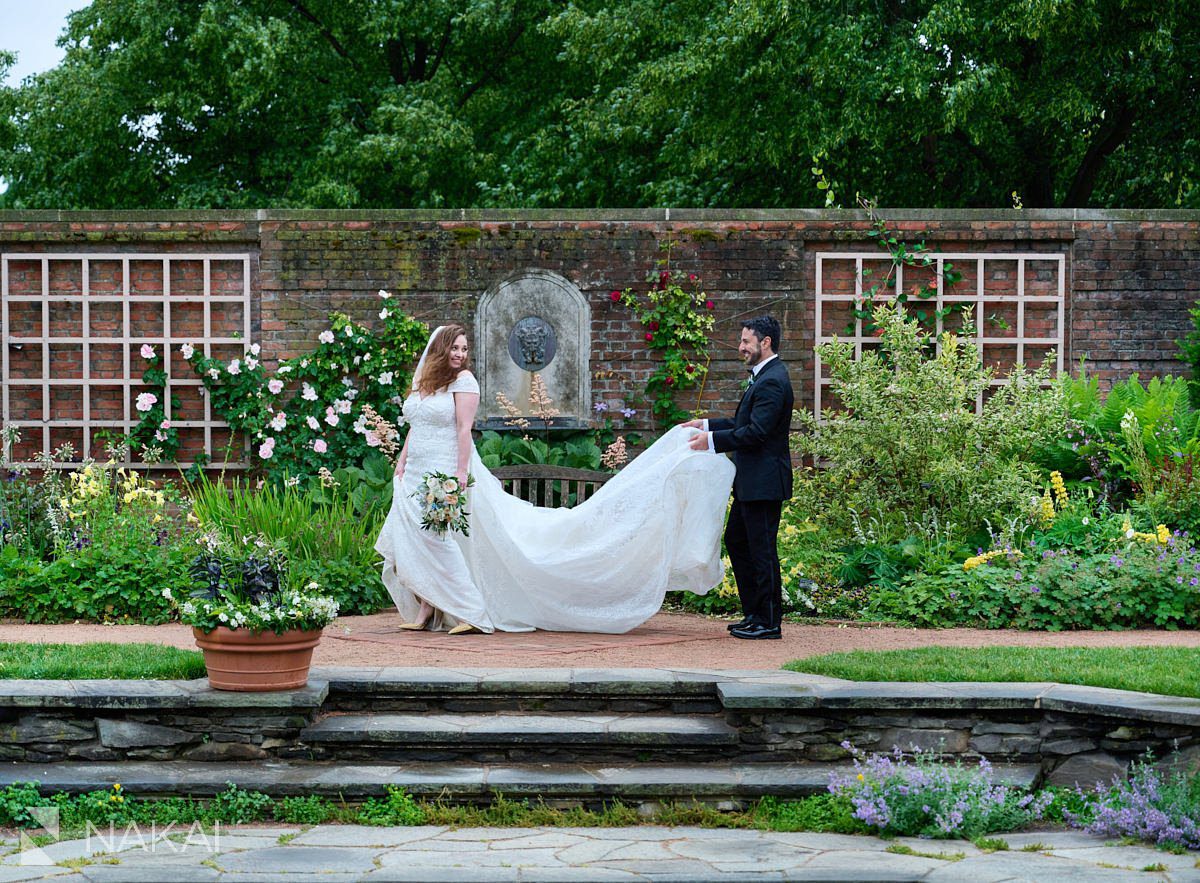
436, 373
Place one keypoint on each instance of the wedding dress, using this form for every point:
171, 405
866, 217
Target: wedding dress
602, 566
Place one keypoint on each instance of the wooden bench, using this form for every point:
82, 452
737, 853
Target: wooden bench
550, 486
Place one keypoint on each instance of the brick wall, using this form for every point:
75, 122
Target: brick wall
1131, 276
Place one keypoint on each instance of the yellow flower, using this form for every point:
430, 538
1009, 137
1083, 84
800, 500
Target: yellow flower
861, 777
1060, 489
975, 560
1047, 511
1164, 535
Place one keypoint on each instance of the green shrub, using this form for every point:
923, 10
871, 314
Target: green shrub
105, 582
1138, 584
513, 449
909, 450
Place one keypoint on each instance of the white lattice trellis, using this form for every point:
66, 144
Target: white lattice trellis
125, 298
1050, 293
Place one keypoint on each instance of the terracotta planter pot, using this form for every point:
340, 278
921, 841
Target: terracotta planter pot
237, 659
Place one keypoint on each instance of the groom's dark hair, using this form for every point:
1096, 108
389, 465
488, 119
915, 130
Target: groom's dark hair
765, 326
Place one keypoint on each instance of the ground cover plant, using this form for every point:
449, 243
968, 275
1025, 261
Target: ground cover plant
889, 795
92, 543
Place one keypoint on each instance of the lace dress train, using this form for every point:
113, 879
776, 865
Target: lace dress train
602, 566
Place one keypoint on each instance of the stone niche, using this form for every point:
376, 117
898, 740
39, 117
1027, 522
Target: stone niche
534, 322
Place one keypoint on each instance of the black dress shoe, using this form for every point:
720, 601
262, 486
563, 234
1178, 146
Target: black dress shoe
756, 632
740, 624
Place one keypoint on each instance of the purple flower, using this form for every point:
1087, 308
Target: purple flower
601, 407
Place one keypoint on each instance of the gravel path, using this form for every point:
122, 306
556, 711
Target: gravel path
669, 639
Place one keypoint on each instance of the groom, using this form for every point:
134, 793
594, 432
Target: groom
758, 437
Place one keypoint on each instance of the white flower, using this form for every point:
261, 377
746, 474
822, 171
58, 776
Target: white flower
147, 351
1086, 521
275, 386
255, 349
251, 364
280, 422
285, 369
348, 331
146, 401
372, 439
342, 406
308, 393
383, 294
267, 448
291, 481
312, 422
330, 417
385, 379
383, 314
188, 351
304, 363
214, 373
367, 357
357, 359
360, 424
1129, 534
346, 381
325, 336
351, 394
235, 367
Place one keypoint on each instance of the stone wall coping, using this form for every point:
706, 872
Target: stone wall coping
742, 691
118, 694
643, 215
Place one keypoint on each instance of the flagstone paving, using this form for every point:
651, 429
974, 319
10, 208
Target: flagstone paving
295, 854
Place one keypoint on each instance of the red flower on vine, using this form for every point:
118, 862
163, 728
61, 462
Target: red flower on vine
615, 296
670, 380
709, 305
690, 369
654, 325
649, 336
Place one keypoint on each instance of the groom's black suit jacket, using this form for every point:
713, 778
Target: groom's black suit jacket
758, 436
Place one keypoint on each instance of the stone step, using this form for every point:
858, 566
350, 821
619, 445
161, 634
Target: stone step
442, 736
457, 782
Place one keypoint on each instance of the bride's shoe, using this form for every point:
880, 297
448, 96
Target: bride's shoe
464, 628
425, 614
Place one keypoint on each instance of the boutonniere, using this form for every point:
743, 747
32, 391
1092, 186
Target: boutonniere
746, 384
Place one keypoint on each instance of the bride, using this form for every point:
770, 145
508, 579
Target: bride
602, 566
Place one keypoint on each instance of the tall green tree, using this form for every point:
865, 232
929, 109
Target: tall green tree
397, 103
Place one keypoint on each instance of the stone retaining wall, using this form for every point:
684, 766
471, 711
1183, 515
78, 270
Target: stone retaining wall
1071, 733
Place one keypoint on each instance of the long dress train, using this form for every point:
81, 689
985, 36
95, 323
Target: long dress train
602, 566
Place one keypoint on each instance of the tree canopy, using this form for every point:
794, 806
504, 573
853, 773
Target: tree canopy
584, 103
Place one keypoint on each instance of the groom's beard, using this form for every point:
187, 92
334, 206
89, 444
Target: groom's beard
753, 357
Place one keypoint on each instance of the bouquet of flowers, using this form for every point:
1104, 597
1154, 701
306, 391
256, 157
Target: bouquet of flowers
443, 502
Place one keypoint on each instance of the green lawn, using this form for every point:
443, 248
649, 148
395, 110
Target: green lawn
122, 661
1174, 671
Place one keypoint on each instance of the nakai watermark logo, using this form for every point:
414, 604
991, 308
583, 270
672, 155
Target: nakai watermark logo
171, 839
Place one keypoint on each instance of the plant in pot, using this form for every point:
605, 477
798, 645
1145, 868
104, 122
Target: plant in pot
256, 630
